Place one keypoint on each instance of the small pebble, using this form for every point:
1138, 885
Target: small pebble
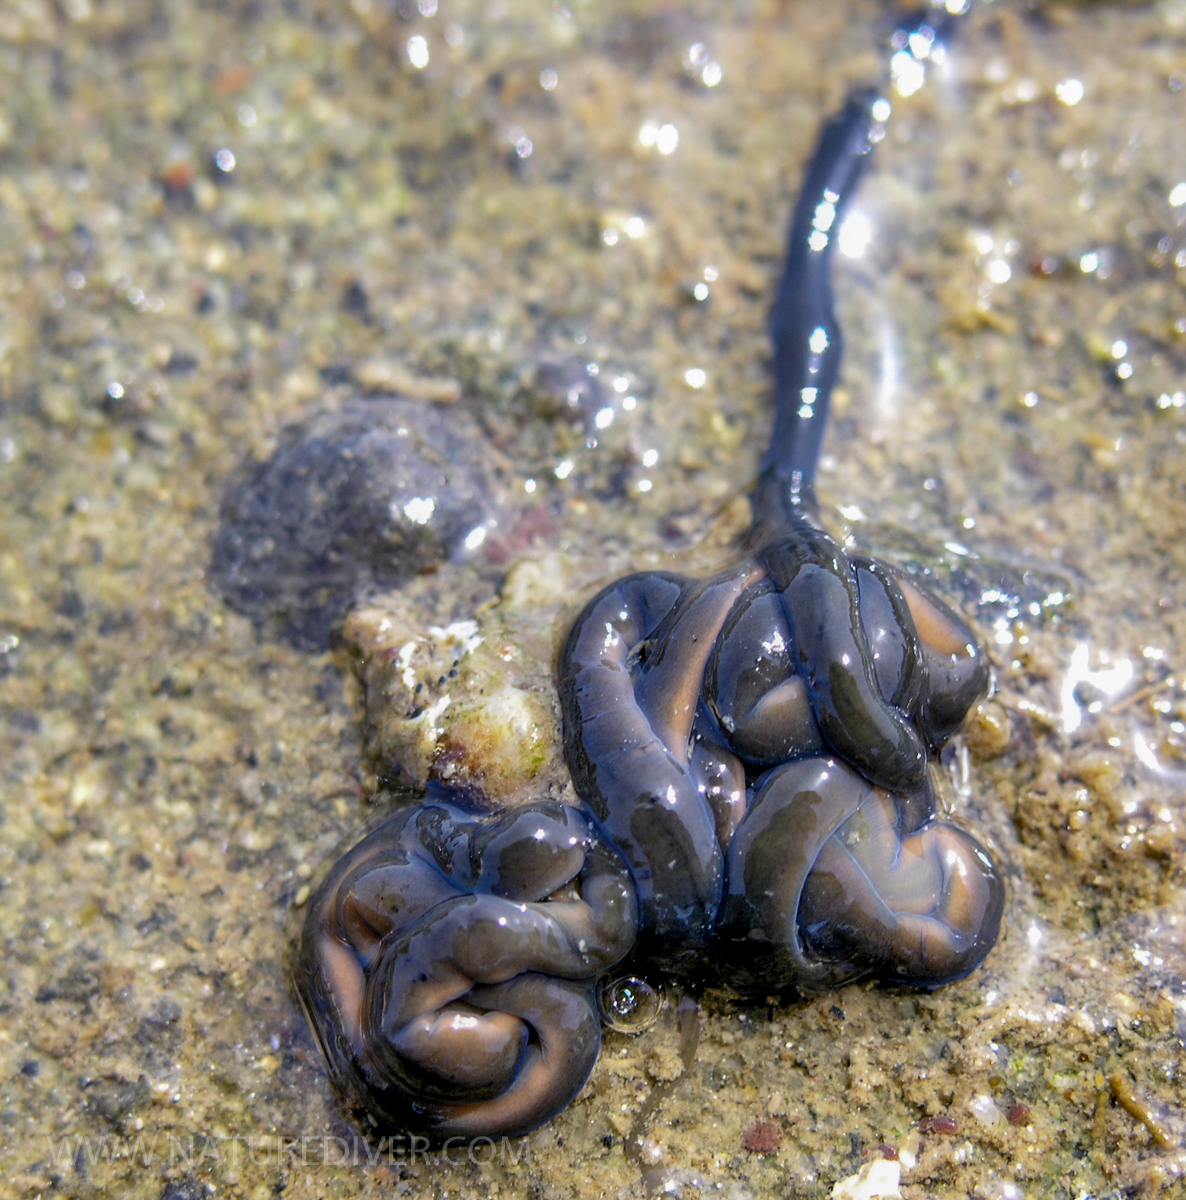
945, 1125
1019, 1114
762, 1137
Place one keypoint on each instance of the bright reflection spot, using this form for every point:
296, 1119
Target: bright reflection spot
420, 509
818, 342
881, 110
1119, 349
1089, 262
529, 486
548, 79
635, 227
1109, 680
958, 7
1033, 935
1030, 399
1178, 195
695, 377
475, 537
700, 291
621, 383
850, 512
712, 74
696, 55
650, 457
564, 469
711, 274
428, 8
855, 235
983, 243
609, 237
818, 240
921, 41
115, 389
645, 485
667, 139
1146, 755
224, 160
629, 403
1069, 91
886, 400
908, 73
825, 214
776, 644
604, 418
519, 139
999, 271
418, 51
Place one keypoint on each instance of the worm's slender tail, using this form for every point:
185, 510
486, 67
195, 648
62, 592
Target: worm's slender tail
807, 340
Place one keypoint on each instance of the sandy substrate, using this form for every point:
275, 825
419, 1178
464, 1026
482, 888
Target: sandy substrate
551, 187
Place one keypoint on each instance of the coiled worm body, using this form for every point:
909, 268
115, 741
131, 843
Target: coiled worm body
752, 756
448, 966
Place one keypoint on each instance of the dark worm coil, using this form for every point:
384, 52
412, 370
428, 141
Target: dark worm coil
753, 753
756, 745
448, 966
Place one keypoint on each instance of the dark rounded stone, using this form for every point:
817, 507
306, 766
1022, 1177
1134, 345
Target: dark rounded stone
367, 495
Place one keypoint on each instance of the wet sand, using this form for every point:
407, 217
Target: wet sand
1012, 419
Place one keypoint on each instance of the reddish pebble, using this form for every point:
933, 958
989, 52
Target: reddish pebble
534, 524
178, 176
232, 80
762, 1137
1019, 1114
888, 1151
940, 1124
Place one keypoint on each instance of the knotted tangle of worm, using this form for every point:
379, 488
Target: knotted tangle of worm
752, 758
757, 746
448, 966
752, 750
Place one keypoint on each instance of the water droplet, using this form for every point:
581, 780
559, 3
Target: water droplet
629, 1004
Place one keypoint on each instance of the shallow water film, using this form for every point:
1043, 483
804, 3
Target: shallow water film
556, 228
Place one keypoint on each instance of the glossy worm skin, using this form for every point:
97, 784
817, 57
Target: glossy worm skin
757, 744
752, 754
726, 785
448, 965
